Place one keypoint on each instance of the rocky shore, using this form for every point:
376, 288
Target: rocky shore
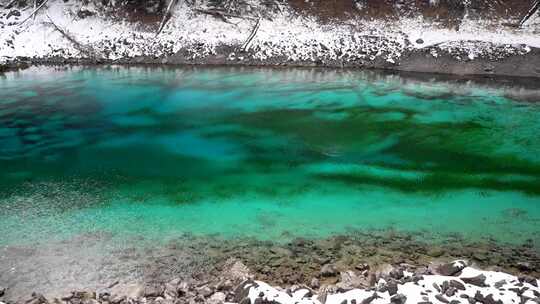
360, 267
454, 282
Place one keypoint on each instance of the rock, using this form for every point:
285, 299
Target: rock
457, 285
392, 288
362, 267
479, 280
435, 252
237, 271
450, 269
396, 273
419, 41
398, 299
152, 291
441, 298
217, 298
224, 285
315, 284
2, 291
241, 292
205, 291
349, 280
524, 266
13, 13
129, 291
328, 270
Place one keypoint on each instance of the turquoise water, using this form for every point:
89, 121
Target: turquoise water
269, 154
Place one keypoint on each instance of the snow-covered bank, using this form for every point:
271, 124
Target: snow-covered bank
283, 37
470, 286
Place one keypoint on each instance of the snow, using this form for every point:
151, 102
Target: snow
415, 293
286, 36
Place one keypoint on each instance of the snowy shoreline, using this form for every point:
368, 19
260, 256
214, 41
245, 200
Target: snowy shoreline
453, 282
60, 35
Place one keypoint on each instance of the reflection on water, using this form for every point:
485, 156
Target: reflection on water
272, 154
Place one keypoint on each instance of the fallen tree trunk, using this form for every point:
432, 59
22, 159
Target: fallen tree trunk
245, 47
166, 17
88, 51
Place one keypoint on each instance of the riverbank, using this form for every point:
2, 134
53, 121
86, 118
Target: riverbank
282, 35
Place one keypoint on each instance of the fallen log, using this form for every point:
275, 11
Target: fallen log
166, 17
79, 46
245, 47
530, 13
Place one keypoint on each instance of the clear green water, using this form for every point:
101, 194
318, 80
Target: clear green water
270, 154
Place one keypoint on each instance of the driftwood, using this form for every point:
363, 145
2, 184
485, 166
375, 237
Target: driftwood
79, 46
34, 12
245, 47
166, 17
534, 9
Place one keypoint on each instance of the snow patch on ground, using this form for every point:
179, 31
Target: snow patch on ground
502, 287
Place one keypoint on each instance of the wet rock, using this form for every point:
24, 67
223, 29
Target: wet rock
328, 270
398, 299
315, 284
451, 269
479, 280
205, 291
217, 298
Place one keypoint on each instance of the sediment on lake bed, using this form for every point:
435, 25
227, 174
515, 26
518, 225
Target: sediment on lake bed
332, 265
464, 38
